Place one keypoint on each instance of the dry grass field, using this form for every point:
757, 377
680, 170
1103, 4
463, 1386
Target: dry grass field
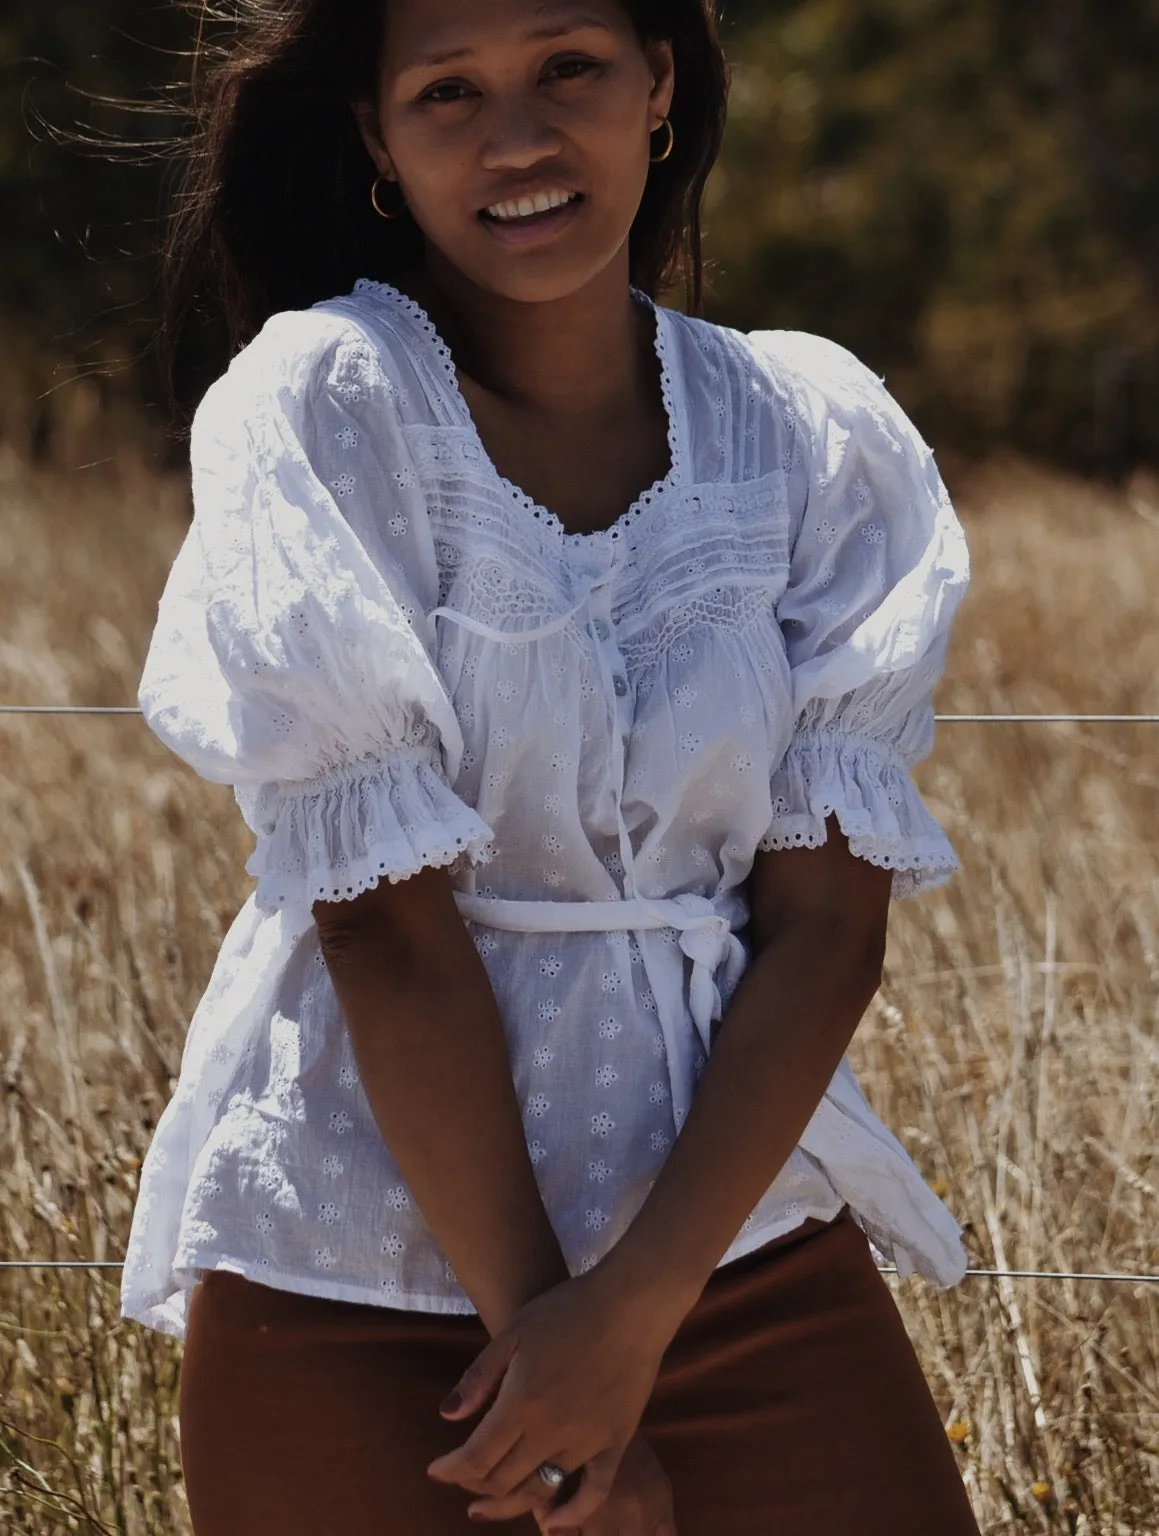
1014, 1045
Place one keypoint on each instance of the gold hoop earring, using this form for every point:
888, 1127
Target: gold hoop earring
382, 212
656, 159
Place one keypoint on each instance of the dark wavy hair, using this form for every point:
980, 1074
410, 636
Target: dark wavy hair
272, 210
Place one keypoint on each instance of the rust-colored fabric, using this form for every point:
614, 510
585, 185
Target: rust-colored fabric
790, 1400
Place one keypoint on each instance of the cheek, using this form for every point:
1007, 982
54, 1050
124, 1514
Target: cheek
618, 112
611, 138
429, 162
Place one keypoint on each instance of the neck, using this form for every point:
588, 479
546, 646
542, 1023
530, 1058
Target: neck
587, 355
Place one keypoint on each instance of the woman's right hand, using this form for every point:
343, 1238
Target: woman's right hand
640, 1502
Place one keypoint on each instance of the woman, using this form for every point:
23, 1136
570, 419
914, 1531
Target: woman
568, 656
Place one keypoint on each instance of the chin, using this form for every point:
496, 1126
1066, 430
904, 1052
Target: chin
532, 276
530, 281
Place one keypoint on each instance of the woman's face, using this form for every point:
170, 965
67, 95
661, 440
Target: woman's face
541, 98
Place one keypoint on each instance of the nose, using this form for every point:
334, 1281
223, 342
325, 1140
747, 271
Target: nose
519, 134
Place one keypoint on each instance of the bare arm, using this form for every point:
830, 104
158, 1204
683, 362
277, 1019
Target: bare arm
819, 927
431, 1051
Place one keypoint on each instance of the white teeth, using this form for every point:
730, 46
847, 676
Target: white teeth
524, 207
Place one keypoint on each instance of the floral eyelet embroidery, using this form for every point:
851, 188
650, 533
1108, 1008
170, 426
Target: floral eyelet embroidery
809, 779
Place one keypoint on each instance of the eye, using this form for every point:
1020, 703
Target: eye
445, 85
575, 67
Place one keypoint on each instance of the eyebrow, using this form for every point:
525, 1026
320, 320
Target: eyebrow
540, 34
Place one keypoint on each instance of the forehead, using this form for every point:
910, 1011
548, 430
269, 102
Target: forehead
431, 32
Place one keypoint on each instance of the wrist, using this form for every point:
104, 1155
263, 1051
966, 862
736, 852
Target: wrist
542, 1273
652, 1301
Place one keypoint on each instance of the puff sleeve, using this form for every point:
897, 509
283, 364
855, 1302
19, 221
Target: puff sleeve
878, 569
292, 656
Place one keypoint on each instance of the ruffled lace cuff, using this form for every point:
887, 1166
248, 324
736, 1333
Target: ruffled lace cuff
867, 785
333, 837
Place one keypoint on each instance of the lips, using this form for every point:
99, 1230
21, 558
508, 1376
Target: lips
528, 205
534, 228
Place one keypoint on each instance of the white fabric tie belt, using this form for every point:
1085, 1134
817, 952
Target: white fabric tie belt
706, 937
866, 1164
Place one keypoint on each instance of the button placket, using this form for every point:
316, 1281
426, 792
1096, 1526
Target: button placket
612, 667
612, 663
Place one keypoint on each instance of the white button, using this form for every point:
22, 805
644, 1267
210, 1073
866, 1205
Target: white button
620, 684
602, 629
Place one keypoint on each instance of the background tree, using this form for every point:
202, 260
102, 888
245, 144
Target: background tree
966, 192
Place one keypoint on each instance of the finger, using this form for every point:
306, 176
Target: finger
520, 1469
599, 1475
532, 1496
472, 1463
561, 1496
480, 1380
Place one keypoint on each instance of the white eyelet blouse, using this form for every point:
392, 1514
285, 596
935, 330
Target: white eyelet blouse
399, 660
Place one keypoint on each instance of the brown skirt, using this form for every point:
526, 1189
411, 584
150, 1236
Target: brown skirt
790, 1401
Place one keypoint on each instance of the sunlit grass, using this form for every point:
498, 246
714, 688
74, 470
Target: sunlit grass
1013, 1046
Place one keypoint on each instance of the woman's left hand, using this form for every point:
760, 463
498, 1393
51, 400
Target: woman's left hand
574, 1371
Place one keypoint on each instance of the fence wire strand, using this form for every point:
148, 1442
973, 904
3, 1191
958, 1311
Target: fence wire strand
885, 1269
80, 709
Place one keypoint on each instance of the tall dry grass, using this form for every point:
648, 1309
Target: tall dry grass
1013, 1045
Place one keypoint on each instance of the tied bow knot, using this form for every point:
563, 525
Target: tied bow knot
708, 940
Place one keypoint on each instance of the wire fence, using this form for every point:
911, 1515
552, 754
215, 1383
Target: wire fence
885, 1269
75, 709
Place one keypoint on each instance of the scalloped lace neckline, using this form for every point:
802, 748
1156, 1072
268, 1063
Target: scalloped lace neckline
542, 514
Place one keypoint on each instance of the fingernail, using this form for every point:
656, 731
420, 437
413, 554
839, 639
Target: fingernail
451, 1403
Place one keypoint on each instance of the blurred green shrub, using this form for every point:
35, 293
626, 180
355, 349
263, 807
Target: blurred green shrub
966, 193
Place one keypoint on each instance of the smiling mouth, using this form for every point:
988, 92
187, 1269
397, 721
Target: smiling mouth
529, 213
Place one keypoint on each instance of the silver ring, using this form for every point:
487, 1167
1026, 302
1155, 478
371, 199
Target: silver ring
551, 1474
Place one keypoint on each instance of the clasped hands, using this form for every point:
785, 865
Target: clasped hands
571, 1375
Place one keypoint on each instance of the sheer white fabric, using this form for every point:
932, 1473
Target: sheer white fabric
398, 660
